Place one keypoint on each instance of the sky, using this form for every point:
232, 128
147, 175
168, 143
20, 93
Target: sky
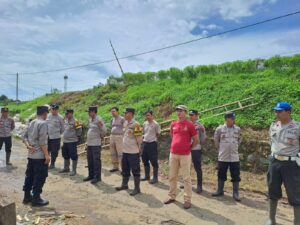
40, 35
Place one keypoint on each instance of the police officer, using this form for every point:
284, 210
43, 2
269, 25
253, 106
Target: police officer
227, 139
196, 151
284, 164
7, 125
35, 139
96, 130
116, 139
151, 131
55, 129
132, 141
71, 136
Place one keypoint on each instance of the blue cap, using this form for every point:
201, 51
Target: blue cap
282, 106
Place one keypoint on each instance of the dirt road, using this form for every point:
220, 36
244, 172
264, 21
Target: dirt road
74, 202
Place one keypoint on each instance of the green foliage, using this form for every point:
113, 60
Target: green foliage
200, 87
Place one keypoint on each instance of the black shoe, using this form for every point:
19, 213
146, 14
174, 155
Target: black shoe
87, 179
121, 188
51, 167
38, 201
95, 180
145, 179
135, 192
113, 170
154, 180
27, 198
199, 189
147, 174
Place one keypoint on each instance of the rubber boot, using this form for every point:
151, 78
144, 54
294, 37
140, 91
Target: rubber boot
124, 185
147, 174
38, 201
27, 197
236, 194
8, 163
136, 189
272, 212
154, 180
52, 164
296, 215
74, 167
199, 188
220, 191
66, 168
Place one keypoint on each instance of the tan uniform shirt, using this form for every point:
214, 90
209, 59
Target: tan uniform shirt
131, 142
72, 131
150, 131
284, 139
201, 134
36, 135
55, 126
227, 140
95, 131
117, 125
6, 126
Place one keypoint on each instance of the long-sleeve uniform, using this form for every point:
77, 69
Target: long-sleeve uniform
94, 134
55, 130
7, 125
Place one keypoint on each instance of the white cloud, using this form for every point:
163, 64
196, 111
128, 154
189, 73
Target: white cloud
79, 34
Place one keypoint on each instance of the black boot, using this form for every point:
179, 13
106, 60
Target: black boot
147, 173
8, 163
52, 164
220, 191
74, 168
199, 188
272, 212
136, 189
38, 201
27, 197
155, 176
236, 194
66, 168
124, 185
88, 178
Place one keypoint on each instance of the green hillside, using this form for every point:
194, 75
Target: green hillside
198, 87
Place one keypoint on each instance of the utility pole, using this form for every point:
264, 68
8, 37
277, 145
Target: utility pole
17, 89
116, 57
66, 83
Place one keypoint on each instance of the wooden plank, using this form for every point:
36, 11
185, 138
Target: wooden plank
8, 214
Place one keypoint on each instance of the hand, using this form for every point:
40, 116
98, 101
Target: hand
31, 149
47, 159
100, 123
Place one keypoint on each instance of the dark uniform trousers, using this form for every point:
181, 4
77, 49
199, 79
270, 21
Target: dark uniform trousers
234, 168
94, 161
69, 150
288, 173
35, 175
131, 163
150, 153
53, 148
196, 158
7, 142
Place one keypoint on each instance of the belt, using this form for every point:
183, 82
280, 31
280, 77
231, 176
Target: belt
285, 158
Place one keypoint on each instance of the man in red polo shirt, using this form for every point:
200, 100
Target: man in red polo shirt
183, 133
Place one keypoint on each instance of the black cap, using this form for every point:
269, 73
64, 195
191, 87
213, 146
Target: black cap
5, 109
127, 110
42, 109
54, 106
229, 115
193, 112
69, 111
92, 109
